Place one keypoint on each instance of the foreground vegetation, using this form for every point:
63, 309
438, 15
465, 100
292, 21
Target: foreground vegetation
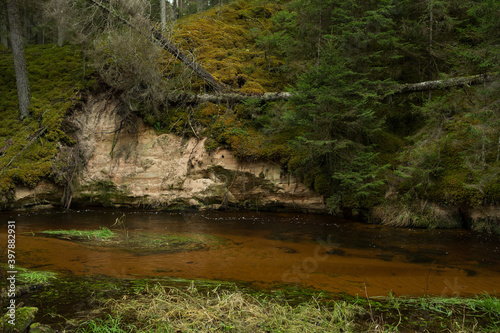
102, 304
173, 309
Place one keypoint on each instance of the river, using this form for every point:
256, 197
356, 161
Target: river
271, 249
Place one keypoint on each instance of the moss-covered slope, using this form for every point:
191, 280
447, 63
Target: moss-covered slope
29, 147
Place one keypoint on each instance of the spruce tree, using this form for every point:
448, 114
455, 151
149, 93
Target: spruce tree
337, 99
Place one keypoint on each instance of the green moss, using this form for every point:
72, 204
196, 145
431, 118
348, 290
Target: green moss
492, 190
225, 43
103, 192
24, 316
322, 183
39, 328
252, 88
451, 191
56, 77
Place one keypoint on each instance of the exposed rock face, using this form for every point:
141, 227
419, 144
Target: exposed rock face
44, 195
135, 166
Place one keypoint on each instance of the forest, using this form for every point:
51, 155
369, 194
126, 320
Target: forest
389, 109
377, 114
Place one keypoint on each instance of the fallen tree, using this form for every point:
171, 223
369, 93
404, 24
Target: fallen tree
222, 96
182, 97
445, 83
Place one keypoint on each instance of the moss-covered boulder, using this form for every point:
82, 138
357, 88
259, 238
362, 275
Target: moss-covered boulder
39, 328
18, 321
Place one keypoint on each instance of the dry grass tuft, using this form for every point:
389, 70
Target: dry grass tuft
164, 309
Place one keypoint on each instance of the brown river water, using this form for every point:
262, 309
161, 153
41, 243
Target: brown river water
269, 249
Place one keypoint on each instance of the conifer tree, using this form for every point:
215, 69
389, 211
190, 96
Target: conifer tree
336, 99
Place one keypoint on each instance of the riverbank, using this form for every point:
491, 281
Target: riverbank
103, 304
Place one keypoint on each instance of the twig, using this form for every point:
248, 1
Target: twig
189, 122
370, 306
40, 132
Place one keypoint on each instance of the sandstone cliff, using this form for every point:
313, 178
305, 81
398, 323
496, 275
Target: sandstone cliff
127, 164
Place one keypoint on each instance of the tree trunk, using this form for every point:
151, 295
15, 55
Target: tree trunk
498, 149
170, 13
226, 97
61, 32
163, 14
193, 65
3, 28
175, 10
16, 38
274, 96
179, 7
431, 24
443, 84
200, 6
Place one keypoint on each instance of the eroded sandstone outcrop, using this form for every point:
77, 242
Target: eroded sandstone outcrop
129, 164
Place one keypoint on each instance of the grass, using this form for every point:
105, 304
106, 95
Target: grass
432, 314
161, 309
157, 308
109, 324
102, 234
31, 277
103, 304
36, 277
170, 243
138, 242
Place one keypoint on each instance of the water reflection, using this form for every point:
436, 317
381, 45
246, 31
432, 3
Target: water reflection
269, 248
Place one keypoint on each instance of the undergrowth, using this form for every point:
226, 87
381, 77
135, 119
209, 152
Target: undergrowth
28, 147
